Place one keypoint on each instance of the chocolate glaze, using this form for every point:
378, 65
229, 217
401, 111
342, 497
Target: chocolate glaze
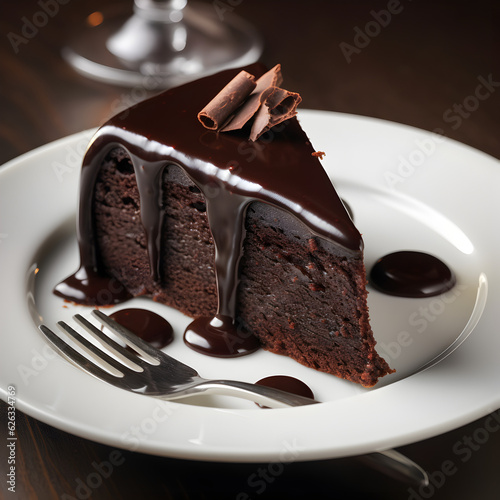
230, 171
147, 325
288, 384
411, 274
348, 209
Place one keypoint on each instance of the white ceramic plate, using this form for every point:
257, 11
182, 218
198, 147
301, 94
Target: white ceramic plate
409, 189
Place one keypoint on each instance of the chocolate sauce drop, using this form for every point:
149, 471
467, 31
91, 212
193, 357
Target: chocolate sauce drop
147, 325
219, 337
411, 274
288, 384
148, 177
88, 287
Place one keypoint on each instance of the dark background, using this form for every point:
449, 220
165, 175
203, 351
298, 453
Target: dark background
423, 64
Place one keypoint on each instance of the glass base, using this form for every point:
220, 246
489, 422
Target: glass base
128, 50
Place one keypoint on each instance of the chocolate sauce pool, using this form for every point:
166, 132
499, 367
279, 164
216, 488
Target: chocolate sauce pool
230, 171
288, 384
89, 287
219, 337
147, 325
411, 274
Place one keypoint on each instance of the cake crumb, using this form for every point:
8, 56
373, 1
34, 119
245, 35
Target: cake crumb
319, 154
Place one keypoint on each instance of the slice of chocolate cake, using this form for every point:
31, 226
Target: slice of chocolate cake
247, 236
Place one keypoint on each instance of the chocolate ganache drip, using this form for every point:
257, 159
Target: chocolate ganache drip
230, 171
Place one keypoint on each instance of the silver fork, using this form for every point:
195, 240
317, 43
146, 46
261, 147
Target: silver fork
151, 372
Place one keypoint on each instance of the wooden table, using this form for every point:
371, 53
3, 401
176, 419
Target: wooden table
420, 67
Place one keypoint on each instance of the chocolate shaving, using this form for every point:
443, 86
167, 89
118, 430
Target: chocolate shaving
280, 105
264, 87
216, 112
269, 104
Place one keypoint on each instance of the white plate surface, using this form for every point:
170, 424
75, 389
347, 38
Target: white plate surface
408, 189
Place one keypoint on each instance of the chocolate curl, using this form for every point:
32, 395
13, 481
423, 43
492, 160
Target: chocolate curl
217, 111
279, 105
265, 85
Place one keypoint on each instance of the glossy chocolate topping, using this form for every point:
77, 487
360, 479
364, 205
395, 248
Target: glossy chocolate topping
279, 169
147, 325
411, 274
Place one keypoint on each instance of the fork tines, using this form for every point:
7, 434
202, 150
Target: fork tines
106, 368
107, 357
145, 350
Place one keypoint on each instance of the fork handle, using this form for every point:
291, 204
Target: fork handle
265, 396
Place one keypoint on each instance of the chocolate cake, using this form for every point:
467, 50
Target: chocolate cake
246, 235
